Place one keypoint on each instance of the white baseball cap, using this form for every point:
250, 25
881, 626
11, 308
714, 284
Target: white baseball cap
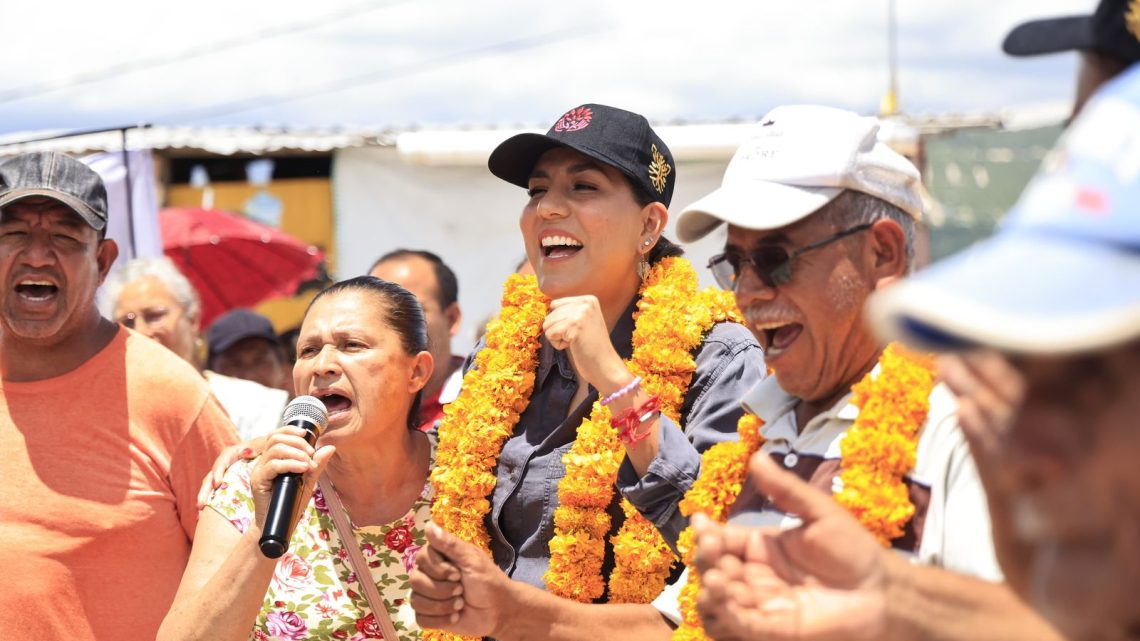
799, 159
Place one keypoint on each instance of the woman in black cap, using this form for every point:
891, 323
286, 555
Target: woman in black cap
604, 379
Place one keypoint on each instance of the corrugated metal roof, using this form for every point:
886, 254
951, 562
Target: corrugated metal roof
689, 141
215, 140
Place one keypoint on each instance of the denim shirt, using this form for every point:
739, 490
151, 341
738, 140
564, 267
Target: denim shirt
521, 522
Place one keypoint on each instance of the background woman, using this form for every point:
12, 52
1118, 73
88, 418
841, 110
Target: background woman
150, 296
362, 351
614, 358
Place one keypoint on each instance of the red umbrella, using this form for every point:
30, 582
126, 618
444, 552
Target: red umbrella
233, 261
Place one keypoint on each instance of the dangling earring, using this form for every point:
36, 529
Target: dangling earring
643, 263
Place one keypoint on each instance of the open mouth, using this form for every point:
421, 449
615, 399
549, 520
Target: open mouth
777, 337
36, 290
560, 246
335, 403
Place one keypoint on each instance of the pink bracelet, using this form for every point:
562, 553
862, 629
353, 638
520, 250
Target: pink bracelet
623, 391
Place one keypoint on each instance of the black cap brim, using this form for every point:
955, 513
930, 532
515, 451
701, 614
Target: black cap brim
515, 157
1052, 35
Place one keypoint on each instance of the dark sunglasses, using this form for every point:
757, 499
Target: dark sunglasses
772, 264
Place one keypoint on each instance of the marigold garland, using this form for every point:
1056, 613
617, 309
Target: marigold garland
877, 451
723, 469
880, 448
670, 323
671, 320
477, 424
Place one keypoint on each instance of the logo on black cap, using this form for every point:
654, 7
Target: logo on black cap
659, 170
615, 137
575, 119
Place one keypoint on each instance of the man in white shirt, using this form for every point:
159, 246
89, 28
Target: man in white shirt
820, 215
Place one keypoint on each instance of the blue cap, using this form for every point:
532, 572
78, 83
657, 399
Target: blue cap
1063, 273
236, 325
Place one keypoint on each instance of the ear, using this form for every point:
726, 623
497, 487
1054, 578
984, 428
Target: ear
654, 217
454, 318
887, 248
105, 255
422, 366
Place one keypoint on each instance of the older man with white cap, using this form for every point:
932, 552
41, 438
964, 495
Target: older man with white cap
1057, 291
821, 214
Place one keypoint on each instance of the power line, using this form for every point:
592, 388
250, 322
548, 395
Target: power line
196, 51
257, 102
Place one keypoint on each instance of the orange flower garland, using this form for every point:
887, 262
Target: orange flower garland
877, 451
671, 321
723, 469
477, 424
880, 448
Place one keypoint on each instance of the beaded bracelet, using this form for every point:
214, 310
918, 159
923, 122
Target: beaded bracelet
623, 391
627, 422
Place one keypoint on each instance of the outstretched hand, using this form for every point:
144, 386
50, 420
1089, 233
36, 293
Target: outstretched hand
456, 587
824, 579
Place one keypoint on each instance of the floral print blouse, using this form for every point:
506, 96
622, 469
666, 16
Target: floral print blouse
314, 594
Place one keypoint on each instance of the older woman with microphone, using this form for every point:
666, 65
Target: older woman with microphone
362, 352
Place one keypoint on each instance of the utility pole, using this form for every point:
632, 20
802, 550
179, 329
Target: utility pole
889, 105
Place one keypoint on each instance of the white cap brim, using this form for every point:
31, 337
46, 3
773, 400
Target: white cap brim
758, 205
1025, 293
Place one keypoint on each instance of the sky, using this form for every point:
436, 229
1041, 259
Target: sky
406, 64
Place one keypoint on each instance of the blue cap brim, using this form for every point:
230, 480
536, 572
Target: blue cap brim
1033, 293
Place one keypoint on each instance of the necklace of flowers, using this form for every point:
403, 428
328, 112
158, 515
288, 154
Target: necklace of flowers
475, 425
670, 323
877, 452
672, 319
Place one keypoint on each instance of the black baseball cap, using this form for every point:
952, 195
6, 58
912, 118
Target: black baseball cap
619, 138
59, 177
237, 325
1113, 29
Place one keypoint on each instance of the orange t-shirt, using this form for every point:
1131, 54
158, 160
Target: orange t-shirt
97, 498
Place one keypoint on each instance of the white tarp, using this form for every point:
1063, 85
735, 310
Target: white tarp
464, 214
135, 227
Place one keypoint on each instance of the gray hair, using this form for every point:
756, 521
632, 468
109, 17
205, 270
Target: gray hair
161, 268
852, 208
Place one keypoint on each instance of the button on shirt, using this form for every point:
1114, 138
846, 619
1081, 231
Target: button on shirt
521, 522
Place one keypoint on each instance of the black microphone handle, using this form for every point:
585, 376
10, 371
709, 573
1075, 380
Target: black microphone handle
283, 504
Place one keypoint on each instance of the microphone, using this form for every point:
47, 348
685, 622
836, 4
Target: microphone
308, 413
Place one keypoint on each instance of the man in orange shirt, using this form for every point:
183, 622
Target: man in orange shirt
104, 434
